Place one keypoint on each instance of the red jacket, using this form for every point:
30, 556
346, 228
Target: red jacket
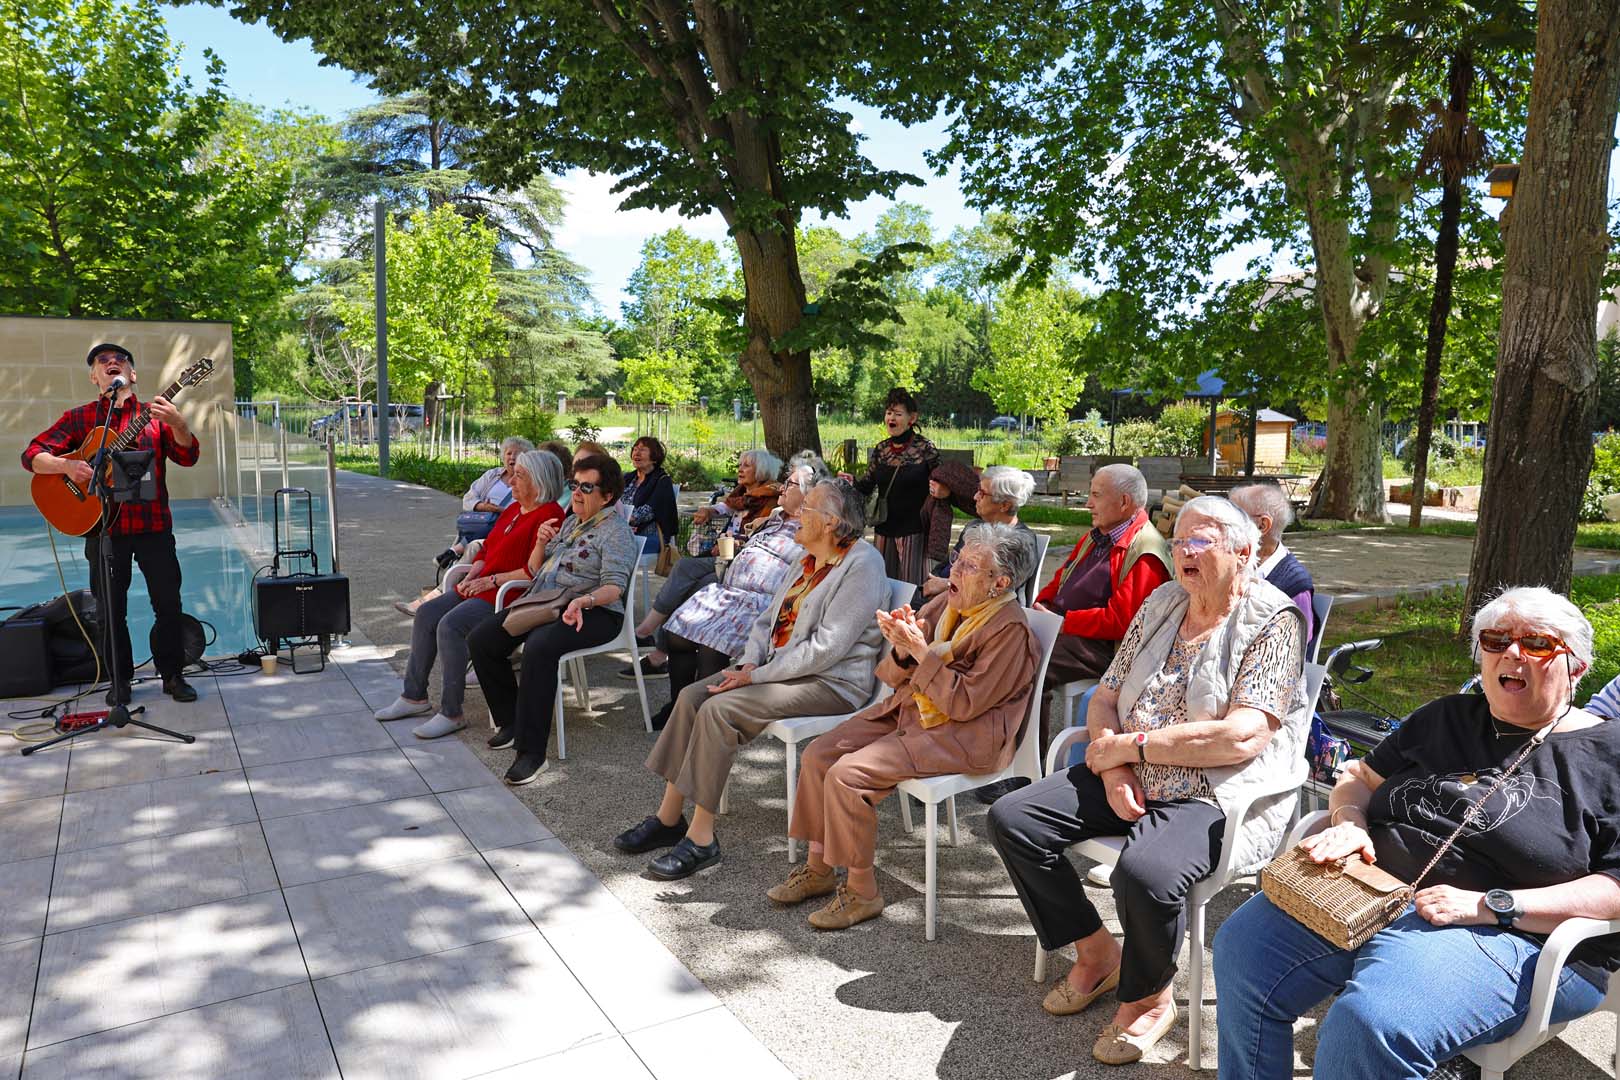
1109, 622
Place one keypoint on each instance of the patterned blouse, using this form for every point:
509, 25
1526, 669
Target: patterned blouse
720, 614
1265, 680
810, 576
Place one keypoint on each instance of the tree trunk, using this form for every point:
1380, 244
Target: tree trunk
1539, 453
780, 379
1461, 79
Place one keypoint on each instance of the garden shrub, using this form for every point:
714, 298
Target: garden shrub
1605, 478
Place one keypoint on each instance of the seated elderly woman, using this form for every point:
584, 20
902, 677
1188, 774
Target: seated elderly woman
810, 653
1002, 491
749, 504
441, 625
590, 559
712, 627
962, 670
1202, 703
1454, 971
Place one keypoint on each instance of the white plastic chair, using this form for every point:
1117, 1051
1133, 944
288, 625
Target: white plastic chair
793, 730
933, 790
1497, 1058
1033, 585
1107, 849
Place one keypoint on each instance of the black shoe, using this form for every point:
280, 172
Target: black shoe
118, 694
502, 738
177, 687
650, 835
648, 669
991, 792
661, 717
446, 558
645, 642
685, 860
526, 769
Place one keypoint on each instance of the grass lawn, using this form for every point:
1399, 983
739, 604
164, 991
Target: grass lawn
1423, 658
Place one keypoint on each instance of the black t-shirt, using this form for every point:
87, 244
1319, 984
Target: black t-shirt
1555, 820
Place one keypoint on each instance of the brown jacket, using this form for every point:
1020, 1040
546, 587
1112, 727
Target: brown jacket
985, 690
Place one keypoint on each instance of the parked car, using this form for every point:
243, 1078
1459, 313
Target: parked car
1004, 423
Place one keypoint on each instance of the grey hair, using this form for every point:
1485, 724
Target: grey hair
767, 466
523, 445
851, 509
1126, 480
1267, 499
1012, 548
1238, 530
1540, 607
1008, 484
544, 470
807, 459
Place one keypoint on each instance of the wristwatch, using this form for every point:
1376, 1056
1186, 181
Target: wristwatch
1500, 902
1140, 741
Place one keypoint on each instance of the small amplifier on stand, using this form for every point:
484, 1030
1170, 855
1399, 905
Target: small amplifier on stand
302, 609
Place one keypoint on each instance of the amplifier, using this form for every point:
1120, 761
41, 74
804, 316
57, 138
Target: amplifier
25, 659
301, 606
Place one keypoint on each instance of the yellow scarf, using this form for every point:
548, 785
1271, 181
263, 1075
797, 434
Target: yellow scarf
953, 627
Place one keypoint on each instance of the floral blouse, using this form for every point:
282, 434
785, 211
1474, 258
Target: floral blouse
1265, 680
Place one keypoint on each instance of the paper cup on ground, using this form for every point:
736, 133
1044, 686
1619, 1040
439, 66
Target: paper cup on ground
267, 664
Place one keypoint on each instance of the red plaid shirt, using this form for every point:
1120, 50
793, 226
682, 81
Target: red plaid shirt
75, 425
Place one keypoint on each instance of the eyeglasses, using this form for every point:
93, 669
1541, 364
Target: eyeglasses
1192, 545
1539, 646
584, 487
104, 359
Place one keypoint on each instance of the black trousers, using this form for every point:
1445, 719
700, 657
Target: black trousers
528, 701
161, 568
1166, 851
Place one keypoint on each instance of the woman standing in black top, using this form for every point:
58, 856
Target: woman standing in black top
898, 471
1454, 972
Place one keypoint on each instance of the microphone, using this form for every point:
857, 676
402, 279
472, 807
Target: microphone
118, 383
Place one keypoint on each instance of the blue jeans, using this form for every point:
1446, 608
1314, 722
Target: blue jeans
1412, 997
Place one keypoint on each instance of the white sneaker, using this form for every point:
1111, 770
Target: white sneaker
401, 708
1100, 875
438, 727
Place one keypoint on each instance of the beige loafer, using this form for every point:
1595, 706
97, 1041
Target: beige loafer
1065, 1000
804, 884
846, 910
1114, 1046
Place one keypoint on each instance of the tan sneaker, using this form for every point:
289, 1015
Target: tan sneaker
1115, 1047
803, 884
846, 910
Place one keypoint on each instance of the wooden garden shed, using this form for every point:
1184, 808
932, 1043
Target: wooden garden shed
1273, 432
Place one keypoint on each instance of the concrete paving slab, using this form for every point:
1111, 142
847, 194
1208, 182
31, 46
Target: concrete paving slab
19, 962
446, 765
357, 839
34, 776
133, 756
310, 737
117, 815
553, 886
28, 829
594, 1061
601, 951
492, 817
25, 890
304, 787
277, 1033
260, 700
729, 1050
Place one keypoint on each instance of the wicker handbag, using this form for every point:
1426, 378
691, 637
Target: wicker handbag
1348, 901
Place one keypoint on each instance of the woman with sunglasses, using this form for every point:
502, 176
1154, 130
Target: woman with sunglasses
590, 557
1455, 970
1201, 706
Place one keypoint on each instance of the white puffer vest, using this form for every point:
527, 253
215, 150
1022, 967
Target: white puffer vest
1209, 688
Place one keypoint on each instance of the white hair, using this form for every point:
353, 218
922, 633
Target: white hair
1010, 485
1238, 530
1011, 548
807, 459
1543, 609
517, 441
544, 470
1126, 480
1267, 499
767, 466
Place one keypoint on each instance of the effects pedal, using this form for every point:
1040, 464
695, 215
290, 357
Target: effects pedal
80, 720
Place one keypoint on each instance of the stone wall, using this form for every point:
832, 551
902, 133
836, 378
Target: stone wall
43, 371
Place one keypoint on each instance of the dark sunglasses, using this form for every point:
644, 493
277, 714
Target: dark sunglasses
1539, 646
106, 358
584, 487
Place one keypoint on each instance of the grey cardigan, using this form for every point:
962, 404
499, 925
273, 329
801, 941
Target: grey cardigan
836, 636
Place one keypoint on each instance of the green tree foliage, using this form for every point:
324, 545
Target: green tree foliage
129, 194
1032, 344
671, 309
443, 320
693, 106
658, 377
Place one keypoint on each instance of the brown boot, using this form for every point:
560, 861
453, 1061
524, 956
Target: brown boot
846, 910
803, 884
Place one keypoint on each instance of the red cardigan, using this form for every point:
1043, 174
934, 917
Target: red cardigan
1109, 622
504, 550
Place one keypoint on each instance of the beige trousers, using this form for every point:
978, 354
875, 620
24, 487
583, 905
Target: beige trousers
705, 731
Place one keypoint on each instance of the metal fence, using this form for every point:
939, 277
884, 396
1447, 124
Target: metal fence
261, 453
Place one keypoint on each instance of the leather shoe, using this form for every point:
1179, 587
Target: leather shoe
650, 835
502, 738
1115, 1047
177, 687
685, 860
1065, 1000
118, 694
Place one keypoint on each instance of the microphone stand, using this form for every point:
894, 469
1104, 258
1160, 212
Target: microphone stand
119, 715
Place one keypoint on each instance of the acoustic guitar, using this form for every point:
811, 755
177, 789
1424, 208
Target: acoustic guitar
75, 510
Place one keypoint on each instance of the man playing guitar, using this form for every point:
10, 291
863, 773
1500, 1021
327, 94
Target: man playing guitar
142, 530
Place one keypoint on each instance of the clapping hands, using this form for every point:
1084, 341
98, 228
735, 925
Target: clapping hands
903, 632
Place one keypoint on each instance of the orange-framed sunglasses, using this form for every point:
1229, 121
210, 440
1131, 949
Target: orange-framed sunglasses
1539, 646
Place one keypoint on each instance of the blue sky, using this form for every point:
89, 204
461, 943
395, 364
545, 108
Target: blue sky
262, 69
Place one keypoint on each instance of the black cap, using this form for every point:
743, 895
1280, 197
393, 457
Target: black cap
108, 346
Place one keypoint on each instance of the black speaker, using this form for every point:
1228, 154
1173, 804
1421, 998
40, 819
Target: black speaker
300, 606
25, 661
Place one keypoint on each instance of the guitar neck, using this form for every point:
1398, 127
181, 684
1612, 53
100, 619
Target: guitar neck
133, 432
